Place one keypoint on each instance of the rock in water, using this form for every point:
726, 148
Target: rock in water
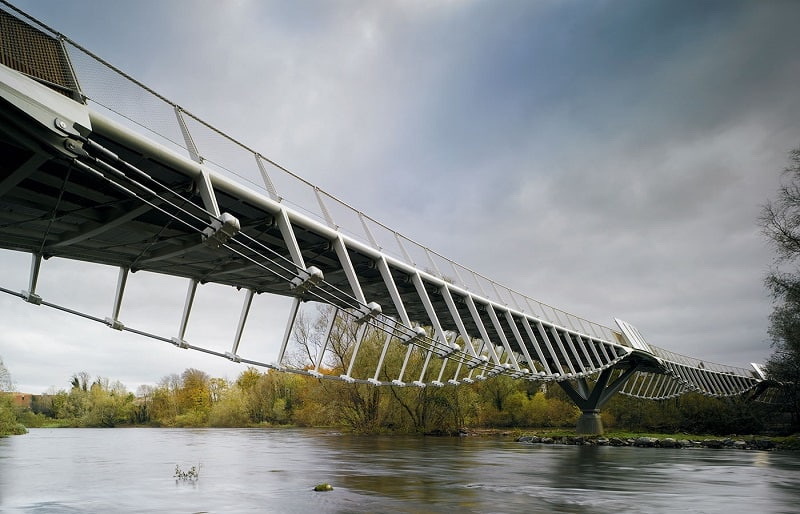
645, 442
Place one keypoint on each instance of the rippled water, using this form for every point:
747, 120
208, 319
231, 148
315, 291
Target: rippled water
254, 470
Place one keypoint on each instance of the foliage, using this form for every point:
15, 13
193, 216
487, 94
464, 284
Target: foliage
228, 411
5, 378
689, 413
9, 423
189, 476
513, 403
96, 404
780, 222
269, 399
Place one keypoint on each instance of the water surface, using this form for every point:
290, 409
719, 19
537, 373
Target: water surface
275, 470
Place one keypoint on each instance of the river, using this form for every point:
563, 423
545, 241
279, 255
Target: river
275, 470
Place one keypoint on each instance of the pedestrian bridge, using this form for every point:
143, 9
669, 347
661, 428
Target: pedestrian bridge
98, 167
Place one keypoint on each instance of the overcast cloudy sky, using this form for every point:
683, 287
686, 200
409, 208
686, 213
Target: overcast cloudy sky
609, 158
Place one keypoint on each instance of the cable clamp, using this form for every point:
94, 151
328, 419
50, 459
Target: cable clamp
221, 230
365, 312
33, 298
306, 279
413, 338
115, 324
180, 343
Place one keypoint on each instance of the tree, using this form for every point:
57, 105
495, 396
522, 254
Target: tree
194, 397
80, 381
780, 222
9, 424
5, 378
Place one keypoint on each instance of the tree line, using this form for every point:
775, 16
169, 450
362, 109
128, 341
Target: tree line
195, 399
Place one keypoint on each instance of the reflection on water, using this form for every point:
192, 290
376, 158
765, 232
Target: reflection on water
250, 470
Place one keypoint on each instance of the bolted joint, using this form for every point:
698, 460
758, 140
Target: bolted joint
232, 357
221, 230
75, 147
69, 128
61, 125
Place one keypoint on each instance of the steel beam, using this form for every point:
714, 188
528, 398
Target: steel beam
473, 310
503, 339
349, 271
187, 309
122, 279
248, 301
456, 317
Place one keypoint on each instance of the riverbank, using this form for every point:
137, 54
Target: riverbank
760, 443
642, 440
568, 437
734, 443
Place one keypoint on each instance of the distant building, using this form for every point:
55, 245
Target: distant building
23, 400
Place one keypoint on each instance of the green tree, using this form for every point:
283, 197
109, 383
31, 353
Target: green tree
268, 397
141, 410
229, 410
194, 398
9, 424
164, 401
780, 222
110, 405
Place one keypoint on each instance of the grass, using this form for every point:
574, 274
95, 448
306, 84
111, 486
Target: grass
790, 442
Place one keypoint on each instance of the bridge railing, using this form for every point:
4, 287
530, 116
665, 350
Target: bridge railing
115, 94
698, 363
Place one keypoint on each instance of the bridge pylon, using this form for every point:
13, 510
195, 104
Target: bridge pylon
590, 398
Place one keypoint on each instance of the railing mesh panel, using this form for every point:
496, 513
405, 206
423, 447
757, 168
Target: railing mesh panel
36, 54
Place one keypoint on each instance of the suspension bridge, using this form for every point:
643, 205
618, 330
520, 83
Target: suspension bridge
98, 167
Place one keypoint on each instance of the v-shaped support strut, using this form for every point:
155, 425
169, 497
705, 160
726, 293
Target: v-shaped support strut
590, 400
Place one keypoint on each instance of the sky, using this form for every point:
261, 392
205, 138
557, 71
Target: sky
608, 158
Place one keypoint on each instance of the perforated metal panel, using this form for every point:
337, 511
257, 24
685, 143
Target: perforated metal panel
36, 54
